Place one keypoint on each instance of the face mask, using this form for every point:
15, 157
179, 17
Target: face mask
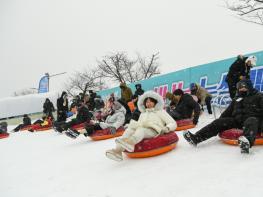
243, 93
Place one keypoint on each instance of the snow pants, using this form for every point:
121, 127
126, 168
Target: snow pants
250, 128
138, 135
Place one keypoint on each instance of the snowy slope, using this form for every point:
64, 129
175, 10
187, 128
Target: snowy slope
50, 164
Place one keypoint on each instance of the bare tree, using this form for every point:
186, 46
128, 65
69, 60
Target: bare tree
25, 92
148, 68
113, 66
119, 67
247, 10
84, 80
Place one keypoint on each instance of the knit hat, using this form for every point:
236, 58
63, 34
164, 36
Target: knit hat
252, 59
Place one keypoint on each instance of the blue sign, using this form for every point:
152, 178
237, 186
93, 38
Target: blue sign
43, 84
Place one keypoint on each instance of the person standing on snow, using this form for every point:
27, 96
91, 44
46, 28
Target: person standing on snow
62, 107
239, 70
139, 91
152, 122
48, 108
126, 93
245, 111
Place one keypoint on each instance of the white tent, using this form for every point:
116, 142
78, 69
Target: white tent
16, 106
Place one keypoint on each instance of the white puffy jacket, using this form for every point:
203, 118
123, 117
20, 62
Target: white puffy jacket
156, 118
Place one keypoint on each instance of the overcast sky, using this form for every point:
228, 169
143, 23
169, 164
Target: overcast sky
39, 36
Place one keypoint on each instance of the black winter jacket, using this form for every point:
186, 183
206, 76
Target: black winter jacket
242, 108
84, 114
48, 107
186, 106
26, 121
237, 69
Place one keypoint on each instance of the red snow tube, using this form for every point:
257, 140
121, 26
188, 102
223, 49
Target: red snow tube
106, 134
184, 124
231, 137
154, 146
4, 135
80, 126
38, 127
26, 128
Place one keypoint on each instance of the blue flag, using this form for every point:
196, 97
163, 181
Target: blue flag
43, 84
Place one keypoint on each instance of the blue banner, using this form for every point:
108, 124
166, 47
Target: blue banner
210, 76
43, 84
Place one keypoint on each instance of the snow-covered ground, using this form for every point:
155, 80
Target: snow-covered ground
50, 164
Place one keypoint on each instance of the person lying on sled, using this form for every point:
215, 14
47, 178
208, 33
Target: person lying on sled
3, 127
83, 116
114, 121
45, 121
245, 112
152, 122
26, 122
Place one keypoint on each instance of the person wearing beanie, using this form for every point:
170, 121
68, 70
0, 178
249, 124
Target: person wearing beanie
185, 106
139, 91
62, 107
239, 70
245, 112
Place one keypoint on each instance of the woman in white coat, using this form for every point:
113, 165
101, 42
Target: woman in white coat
153, 121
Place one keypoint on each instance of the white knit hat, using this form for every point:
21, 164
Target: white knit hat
252, 59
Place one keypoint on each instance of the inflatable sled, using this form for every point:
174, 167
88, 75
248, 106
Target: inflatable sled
38, 127
106, 134
4, 135
80, 126
154, 146
231, 137
184, 124
26, 128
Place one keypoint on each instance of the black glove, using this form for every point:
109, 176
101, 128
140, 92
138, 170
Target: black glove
89, 130
195, 121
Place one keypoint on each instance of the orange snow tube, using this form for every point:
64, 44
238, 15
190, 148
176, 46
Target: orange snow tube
184, 124
106, 134
4, 135
154, 146
231, 137
80, 126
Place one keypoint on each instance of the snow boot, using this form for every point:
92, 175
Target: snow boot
126, 143
244, 144
114, 155
58, 129
191, 138
89, 130
112, 130
72, 133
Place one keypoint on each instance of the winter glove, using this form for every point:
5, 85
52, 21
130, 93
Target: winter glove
165, 130
195, 121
